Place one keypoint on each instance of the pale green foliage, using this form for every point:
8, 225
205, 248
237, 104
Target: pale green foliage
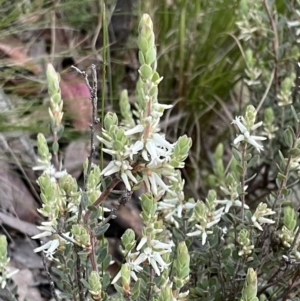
220, 248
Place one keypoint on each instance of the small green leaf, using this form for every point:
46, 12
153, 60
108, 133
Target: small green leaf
55, 146
253, 161
285, 191
240, 169
289, 136
105, 280
146, 71
119, 289
136, 290
226, 253
294, 114
102, 255
85, 283
92, 208
236, 154
295, 152
101, 230
281, 176
84, 200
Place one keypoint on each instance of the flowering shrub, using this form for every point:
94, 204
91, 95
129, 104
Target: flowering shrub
226, 247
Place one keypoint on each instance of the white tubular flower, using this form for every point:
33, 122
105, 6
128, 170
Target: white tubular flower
49, 248
229, 203
154, 183
204, 225
124, 167
258, 217
245, 136
133, 267
47, 228
137, 129
49, 169
203, 229
154, 258
133, 149
172, 207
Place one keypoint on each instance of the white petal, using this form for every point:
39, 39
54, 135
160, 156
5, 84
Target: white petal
105, 142
241, 127
141, 258
255, 144
255, 126
264, 220
125, 180
151, 148
141, 243
161, 141
204, 237
43, 234
238, 203
131, 177
238, 139
258, 138
110, 169
195, 233
153, 184
159, 181
155, 267
212, 223
137, 129
117, 277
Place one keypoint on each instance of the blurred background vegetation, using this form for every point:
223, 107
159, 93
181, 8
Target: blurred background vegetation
201, 57
216, 57
198, 57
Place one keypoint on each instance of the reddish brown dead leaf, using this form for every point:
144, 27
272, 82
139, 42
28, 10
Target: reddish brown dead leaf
76, 96
17, 54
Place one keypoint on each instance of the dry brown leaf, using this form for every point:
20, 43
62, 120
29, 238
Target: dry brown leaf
75, 155
24, 280
16, 52
15, 197
76, 96
15, 223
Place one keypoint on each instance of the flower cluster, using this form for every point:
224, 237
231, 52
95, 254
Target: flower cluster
139, 152
206, 216
245, 242
246, 125
259, 218
288, 231
232, 191
252, 20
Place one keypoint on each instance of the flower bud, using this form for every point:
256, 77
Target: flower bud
125, 276
128, 239
249, 291
53, 80
166, 294
109, 120
95, 286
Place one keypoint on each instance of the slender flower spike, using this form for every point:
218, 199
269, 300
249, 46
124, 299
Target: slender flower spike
245, 134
